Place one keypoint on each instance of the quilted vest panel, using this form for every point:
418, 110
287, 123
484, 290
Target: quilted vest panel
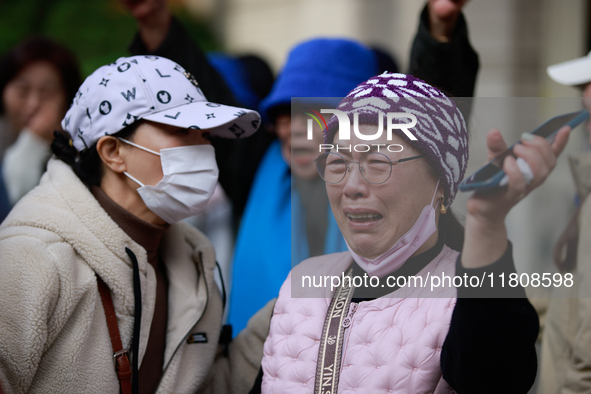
392, 346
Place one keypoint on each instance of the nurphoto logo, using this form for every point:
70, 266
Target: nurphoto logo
344, 132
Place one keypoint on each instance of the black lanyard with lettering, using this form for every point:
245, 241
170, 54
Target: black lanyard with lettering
331, 343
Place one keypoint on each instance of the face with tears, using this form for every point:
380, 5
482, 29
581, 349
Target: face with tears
374, 216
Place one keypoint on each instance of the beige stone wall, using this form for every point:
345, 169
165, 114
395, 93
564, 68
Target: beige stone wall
516, 39
272, 27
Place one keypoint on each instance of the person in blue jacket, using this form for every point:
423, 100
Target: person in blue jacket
287, 218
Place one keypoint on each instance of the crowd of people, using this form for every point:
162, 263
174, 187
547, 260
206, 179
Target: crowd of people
159, 219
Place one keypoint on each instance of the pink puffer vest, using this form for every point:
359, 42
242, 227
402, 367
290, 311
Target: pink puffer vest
392, 346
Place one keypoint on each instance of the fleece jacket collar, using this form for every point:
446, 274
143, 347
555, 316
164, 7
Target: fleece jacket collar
74, 214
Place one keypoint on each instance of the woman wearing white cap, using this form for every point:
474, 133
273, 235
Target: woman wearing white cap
566, 341
94, 264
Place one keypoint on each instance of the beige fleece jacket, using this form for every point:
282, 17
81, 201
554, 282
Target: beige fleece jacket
53, 333
566, 342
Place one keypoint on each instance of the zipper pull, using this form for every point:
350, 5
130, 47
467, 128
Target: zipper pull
352, 309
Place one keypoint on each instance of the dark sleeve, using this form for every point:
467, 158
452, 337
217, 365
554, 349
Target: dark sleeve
258, 383
237, 159
450, 66
490, 346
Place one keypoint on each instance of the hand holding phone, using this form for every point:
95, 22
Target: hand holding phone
492, 175
525, 169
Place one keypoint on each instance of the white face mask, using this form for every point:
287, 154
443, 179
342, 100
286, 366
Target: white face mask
190, 177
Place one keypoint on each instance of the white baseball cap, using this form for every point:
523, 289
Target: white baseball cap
152, 88
573, 72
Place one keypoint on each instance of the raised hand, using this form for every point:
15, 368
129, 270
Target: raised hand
153, 18
486, 234
144, 10
47, 119
539, 155
443, 15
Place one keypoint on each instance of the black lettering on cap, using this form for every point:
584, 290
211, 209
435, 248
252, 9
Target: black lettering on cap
129, 95
129, 119
237, 130
123, 67
163, 96
162, 75
105, 108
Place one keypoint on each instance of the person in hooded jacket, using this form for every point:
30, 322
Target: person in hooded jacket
95, 263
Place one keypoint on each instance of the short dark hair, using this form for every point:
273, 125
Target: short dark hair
37, 49
87, 164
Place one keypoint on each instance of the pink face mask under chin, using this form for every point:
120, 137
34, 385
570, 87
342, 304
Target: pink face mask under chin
405, 247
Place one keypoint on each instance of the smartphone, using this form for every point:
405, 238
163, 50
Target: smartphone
489, 176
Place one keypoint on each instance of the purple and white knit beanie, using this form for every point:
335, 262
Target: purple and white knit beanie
441, 131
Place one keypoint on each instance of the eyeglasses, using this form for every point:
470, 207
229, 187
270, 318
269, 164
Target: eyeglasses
375, 167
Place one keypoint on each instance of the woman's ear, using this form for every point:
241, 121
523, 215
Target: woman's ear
441, 190
109, 149
441, 194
